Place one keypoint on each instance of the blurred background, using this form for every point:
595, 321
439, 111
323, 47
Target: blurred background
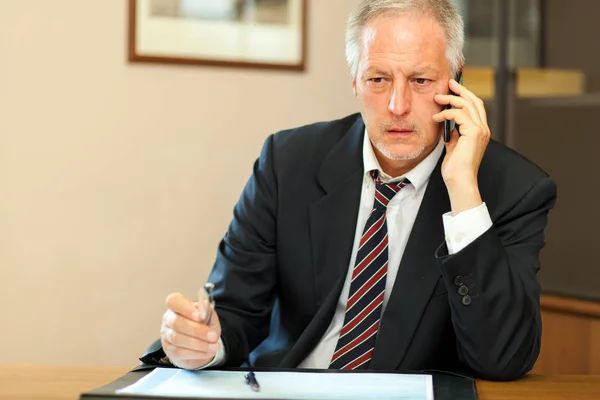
118, 179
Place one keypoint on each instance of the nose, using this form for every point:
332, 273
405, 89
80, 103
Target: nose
400, 99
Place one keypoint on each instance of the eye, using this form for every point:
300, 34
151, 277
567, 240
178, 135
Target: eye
421, 81
378, 82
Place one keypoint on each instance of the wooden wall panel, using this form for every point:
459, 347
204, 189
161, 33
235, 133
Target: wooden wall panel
570, 337
595, 348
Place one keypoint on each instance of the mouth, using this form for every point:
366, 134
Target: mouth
400, 132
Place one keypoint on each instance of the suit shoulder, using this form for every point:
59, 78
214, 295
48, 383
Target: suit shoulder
502, 160
309, 138
506, 177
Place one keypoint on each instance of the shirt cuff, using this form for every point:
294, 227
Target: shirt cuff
466, 226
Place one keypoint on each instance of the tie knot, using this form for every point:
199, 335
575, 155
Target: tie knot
384, 192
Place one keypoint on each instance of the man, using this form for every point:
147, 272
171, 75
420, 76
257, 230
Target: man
368, 242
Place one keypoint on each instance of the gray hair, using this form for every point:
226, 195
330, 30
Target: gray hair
443, 11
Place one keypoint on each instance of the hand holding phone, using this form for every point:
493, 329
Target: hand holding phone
449, 125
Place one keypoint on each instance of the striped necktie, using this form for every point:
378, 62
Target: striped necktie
355, 345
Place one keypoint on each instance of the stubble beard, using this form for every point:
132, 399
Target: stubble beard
387, 150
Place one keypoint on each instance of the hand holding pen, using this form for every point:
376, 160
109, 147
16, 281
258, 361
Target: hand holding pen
190, 330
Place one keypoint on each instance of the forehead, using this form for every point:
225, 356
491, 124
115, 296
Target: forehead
410, 39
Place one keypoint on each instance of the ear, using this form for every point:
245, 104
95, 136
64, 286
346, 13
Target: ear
354, 87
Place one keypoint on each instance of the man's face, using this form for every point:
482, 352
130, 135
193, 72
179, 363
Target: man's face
402, 66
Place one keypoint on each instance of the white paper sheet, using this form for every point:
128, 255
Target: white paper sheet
283, 385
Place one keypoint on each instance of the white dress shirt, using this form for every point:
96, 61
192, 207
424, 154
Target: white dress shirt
460, 231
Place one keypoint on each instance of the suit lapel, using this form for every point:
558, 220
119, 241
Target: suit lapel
333, 217
332, 220
417, 276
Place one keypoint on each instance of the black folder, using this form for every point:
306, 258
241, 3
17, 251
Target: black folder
446, 386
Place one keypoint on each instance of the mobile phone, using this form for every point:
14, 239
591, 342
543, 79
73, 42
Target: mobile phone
450, 124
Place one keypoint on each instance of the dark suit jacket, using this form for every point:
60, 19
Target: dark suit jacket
280, 268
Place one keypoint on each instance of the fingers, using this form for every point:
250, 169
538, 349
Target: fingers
181, 340
182, 321
464, 99
466, 93
185, 338
180, 353
194, 329
468, 128
183, 306
460, 103
469, 112
457, 114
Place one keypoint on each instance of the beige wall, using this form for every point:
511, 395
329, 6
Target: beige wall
118, 180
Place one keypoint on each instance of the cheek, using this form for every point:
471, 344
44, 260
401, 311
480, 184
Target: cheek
422, 107
374, 102
427, 108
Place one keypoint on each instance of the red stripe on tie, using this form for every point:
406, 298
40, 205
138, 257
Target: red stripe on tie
358, 340
372, 230
369, 258
381, 198
359, 361
368, 285
363, 314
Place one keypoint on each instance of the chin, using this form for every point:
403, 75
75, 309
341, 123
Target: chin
401, 152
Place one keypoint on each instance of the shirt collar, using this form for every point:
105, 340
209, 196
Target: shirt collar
418, 176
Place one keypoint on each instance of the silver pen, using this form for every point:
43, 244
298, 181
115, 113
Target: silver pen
207, 301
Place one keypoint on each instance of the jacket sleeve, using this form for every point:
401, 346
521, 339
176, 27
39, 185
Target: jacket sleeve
494, 291
244, 272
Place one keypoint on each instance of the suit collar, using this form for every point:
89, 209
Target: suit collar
333, 216
344, 159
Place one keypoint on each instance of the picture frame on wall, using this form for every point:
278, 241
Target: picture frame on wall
268, 34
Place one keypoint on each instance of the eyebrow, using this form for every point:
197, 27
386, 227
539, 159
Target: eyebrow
420, 71
378, 71
424, 70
